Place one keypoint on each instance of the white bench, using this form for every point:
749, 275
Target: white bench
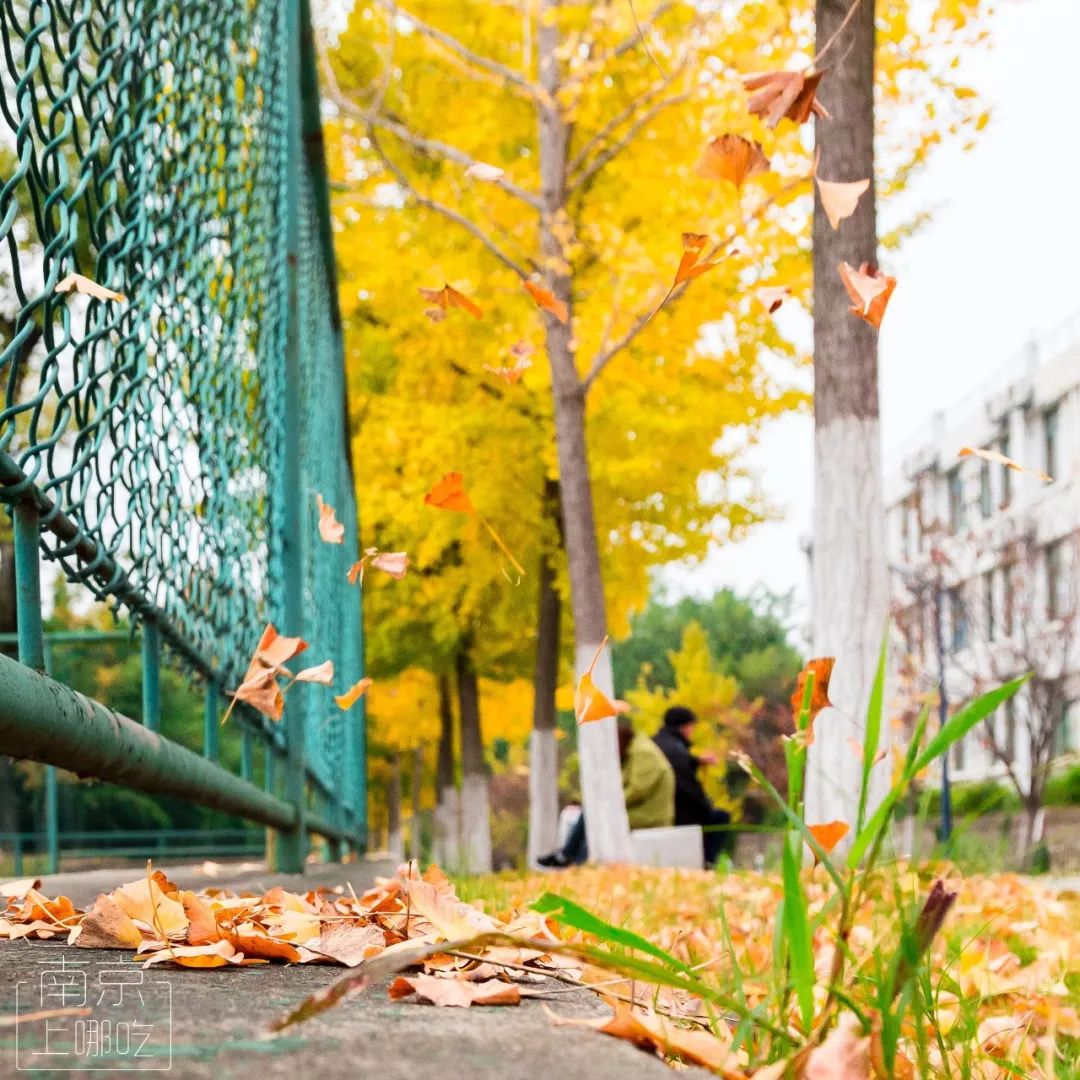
674, 845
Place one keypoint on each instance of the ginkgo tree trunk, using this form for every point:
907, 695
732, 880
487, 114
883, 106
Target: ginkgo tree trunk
849, 570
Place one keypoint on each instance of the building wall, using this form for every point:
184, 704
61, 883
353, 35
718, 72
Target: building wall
1001, 547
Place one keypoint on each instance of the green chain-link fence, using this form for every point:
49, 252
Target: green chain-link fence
166, 449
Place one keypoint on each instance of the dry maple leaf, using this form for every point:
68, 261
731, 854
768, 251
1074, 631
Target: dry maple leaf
772, 296
330, 529
510, 375
776, 94
590, 703
1001, 459
352, 695
446, 298
732, 158
78, 283
819, 697
689, 266
449, 494
839, 198
457, 993
869, 290
547, 300
480, 170
829, 834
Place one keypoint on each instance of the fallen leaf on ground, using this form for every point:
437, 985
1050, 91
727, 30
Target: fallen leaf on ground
732, 158
453, 918
480, 170
779, 94
213, 954
353, 694
330, 529
455, 992
591, 703
547, 300
202, 925
869, 290
844, 1055
106, 926
446, 298
1001, 459
348, 943
78, 283
449, 494
145, 902
19, 888
263, 946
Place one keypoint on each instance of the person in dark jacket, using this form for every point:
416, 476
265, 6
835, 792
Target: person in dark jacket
692, 805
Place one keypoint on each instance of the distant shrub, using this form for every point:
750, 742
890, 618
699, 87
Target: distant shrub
977, 799
1063, 789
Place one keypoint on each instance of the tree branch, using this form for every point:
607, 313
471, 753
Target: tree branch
616, 148
464, 53
638, 36
446, 211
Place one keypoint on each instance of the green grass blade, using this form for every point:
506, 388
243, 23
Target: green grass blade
872, 737
797, 931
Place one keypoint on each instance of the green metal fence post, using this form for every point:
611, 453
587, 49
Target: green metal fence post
28, 586
151, 675
210, 721
289, 848
247, 755
52, 805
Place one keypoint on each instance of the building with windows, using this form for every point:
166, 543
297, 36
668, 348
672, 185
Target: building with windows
984, 558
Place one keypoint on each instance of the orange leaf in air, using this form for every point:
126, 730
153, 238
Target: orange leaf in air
1001, 459
78, 283
839, 198
590, 703
259, 688
819, 696
446, 298
689, 267
830, 834
772, 296
330, 529
449, 494
732, 158
776, 94
546, 299
274, 650
510, 375
322, 673
352, 695
869, 290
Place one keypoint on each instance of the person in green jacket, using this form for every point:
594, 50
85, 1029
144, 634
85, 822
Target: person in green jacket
647, 778
649, 789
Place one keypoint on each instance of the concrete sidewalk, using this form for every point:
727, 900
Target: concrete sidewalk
213, 1022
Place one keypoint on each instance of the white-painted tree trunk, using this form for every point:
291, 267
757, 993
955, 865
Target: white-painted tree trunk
474, 854
543, 793
394, 840
448, 829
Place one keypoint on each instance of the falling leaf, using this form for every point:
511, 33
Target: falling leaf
330, 529
479, 170
689, 267
449, 494
839, 198
322, 673
446, 298
510, 375
353, 694
106, 926
1001, 459
819, 696
546, 299
262, 693
869, 290
274, 651
457, 993
78, 283
829, 834
590, 703
776, 94
394, 563
772, 296
732, 158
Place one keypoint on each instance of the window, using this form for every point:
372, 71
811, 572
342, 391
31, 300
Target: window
1006, 472
986, 498
1007, 594
955, 483
1050, 441
1055, 582
988, 604
1008, 735
957, 619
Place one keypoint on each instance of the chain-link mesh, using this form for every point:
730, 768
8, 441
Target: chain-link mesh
145, 145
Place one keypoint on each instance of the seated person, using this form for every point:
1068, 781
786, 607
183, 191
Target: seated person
692, 805
648, 787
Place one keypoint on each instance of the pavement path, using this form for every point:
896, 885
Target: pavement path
213, 1023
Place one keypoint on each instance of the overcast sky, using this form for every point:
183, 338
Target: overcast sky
996, 265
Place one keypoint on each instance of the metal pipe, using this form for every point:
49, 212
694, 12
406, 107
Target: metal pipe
46, 721
52, 804
28, 585
210, 722
151, 676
